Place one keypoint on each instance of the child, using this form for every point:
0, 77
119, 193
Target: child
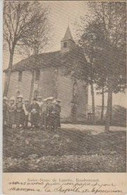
5, 111
11, 112
35, 111
20, 114
26, 107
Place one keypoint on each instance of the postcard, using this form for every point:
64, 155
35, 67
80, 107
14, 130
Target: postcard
64, 97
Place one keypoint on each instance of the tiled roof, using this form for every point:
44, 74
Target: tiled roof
50, 59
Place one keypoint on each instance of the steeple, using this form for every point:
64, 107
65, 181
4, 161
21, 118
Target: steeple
67, 42
68, 35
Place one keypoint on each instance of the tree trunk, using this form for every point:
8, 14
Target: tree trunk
9, 73
109, 107
111, 112
31, 87
93, 102
102, 106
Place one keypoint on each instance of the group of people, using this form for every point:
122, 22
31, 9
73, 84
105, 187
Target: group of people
40, 113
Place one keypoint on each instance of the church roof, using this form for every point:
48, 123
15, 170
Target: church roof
50, 59
68, 35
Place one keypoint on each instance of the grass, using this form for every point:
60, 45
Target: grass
64, 150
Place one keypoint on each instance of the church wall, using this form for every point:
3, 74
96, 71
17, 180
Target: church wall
46, 83
52, 82
82, 100
25, 84
13, 84
65, 95
22, 86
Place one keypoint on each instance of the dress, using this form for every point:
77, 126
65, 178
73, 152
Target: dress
26, 108
5, 113
43, 122
20, 115
40, 112
11, 114
50, 117
35, 110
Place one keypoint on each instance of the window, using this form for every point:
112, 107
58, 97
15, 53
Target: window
37, 75
35, 94
65, 44
20, 77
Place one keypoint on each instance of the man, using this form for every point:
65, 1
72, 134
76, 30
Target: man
26, 107
43, 121
40, 103
35, 111
5, 111
57, 110
49, 113
20, 114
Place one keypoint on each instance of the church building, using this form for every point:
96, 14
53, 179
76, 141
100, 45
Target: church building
47, 75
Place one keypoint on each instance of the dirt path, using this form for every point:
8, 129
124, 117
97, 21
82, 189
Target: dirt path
94, 129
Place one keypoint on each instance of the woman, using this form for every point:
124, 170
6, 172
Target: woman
11, 112
35, 113
20, 114
5, 111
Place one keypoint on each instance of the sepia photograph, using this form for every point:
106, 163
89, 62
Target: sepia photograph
64, 86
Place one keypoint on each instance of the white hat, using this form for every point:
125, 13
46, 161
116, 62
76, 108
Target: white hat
12, 98
20, 96
45, 100
5, 98
50, 98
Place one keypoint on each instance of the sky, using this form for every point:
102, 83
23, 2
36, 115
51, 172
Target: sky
62, 14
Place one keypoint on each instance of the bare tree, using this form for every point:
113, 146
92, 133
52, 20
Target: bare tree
25, 26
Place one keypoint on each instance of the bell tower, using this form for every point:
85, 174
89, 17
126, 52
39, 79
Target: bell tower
67, 43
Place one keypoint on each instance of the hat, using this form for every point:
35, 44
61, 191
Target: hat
12, 98
20, 96
50, 98
45, 100
5, 98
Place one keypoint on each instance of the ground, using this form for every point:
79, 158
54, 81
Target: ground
73, 148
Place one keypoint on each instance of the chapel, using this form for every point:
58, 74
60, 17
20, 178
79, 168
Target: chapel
48, 74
